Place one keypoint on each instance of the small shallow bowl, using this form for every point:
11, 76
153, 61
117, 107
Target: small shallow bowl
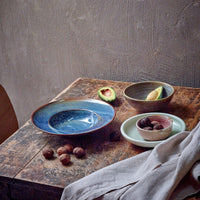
136, 94
130, 133
154, 135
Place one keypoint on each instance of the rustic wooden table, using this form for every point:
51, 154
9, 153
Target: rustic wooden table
25, 174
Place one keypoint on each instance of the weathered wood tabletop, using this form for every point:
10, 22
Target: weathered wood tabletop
26, 174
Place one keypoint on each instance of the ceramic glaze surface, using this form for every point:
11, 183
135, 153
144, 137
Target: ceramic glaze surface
131, 134
100, 113
136, 94
156, 134
73, 121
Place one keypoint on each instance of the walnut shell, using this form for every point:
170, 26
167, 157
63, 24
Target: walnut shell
64, 158
69, 148
61, 150
48, 153
79, 152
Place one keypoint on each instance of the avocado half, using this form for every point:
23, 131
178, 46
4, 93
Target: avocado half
155, 94
107, 94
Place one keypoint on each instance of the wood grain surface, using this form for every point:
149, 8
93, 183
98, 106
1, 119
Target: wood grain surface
26, 174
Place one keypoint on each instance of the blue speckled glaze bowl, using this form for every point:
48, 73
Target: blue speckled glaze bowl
73, 116
70, 121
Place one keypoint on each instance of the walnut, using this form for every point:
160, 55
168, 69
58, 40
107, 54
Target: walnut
79, 152
61, 150
48, 153
69, 148
148, 128
158, 127
145, 122
154, 123
64, 158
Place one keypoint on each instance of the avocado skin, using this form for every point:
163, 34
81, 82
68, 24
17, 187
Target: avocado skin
107, 94
159, 92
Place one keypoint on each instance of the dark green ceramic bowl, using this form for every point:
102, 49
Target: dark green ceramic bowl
136, 94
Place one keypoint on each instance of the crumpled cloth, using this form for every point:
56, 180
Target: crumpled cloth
169, 171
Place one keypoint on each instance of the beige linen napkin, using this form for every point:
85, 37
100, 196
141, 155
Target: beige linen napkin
158, 174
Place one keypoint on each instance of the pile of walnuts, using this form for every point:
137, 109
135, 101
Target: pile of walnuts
146, 124
64, 153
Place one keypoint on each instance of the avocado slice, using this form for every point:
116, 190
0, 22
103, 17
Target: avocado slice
107, 94
155, 94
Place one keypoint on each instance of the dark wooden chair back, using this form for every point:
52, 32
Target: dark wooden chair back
8, 119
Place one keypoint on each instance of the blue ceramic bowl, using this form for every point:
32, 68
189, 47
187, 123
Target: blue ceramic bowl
71, 121
73, 116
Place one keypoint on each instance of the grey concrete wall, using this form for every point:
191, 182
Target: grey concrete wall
47, 44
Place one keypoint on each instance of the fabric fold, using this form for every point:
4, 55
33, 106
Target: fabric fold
195, 172
154, 174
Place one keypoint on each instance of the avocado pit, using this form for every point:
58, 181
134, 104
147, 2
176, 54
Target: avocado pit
107, 94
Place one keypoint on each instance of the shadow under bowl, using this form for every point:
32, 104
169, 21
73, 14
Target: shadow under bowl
136, 94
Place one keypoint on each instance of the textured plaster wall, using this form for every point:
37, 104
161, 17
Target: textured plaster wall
47, 44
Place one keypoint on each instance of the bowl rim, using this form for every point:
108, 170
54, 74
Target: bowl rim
76, 99
155, 131
143, 100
